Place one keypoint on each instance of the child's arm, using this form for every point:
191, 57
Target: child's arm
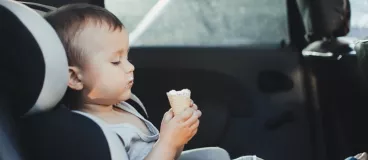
162, 148
161, 151
178, 152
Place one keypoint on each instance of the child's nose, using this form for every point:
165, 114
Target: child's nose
129, 67
132, 68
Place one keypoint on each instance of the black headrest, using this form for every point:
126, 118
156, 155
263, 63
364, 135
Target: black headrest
361, 48
325, 18
33, 60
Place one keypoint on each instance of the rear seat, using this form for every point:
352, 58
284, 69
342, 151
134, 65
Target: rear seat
330, 60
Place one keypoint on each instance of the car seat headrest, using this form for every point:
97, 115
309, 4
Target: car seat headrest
33, 60
361, 48
325, 18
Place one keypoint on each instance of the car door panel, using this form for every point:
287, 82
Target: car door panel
225, 83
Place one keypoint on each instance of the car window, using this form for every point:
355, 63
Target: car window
359, 18
202, 22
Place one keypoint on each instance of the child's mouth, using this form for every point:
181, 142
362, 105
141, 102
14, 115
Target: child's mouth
131, 82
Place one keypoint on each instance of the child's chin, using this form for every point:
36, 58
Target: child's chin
126, 95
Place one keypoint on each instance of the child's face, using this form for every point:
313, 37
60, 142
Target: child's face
106, 75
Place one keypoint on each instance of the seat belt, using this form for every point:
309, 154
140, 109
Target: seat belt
138, 105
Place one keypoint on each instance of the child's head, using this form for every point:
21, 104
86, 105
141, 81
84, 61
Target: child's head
97, 47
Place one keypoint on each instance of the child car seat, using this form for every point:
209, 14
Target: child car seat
34, 71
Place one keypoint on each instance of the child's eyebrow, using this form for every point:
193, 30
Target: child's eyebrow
120, 52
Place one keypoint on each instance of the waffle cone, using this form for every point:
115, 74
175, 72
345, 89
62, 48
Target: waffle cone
179, 103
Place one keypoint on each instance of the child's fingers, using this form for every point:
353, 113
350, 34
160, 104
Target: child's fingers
192, 120
194, 132
194, 126
171, 111
199, 113
191, 103
168, 116
194, 106
185, 115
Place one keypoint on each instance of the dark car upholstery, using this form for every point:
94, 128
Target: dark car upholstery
331, 64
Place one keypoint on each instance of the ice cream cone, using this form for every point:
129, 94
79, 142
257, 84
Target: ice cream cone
179, 100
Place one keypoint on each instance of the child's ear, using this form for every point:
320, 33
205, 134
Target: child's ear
75, 78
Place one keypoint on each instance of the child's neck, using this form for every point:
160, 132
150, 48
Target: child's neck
95, 108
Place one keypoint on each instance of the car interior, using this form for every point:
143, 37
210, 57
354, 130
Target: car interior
299, 94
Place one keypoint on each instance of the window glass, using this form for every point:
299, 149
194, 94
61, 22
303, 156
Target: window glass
202, 22
359, 18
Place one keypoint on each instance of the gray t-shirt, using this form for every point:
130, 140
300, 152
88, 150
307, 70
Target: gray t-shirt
137, 144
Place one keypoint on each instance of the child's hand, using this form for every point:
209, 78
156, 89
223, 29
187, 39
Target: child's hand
177, 131
193, 105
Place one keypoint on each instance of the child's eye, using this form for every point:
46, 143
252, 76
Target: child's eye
116, 63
